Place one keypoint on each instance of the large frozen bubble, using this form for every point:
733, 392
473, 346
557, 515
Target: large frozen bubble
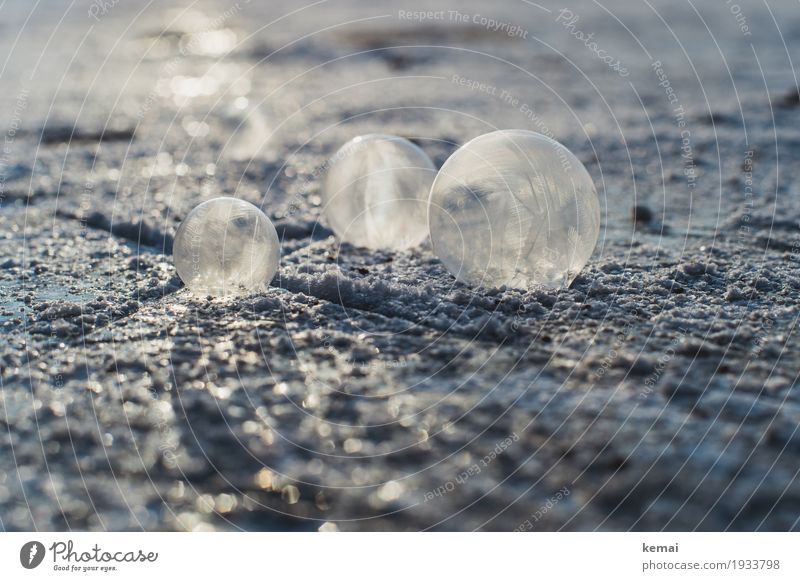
514, 208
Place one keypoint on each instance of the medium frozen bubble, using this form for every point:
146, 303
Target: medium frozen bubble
226, 246
514, 208
376, 191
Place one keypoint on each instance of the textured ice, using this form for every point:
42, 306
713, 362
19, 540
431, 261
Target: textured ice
514, 208
226, 246
123, 410
376, 191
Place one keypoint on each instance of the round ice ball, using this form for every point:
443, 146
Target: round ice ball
226, 246
514, 208
376, 192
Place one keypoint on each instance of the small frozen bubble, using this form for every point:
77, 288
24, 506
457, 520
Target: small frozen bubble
226, 246
376, 191
514, 208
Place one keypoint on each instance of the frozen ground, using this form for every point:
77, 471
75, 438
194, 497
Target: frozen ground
367, 390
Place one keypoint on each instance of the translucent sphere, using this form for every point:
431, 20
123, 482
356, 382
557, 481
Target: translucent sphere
226, 246
514, 208
376, 192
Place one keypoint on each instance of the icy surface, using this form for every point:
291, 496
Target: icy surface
514, 208
226, 246
358, 388
376, 190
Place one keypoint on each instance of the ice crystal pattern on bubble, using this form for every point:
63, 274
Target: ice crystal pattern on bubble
514, 208
226, 246
376, 190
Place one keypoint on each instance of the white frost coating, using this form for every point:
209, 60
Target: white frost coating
514, 208
376, 190
226, 246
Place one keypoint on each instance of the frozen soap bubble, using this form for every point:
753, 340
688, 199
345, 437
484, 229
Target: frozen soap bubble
226, 246
376, 192
514, 208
